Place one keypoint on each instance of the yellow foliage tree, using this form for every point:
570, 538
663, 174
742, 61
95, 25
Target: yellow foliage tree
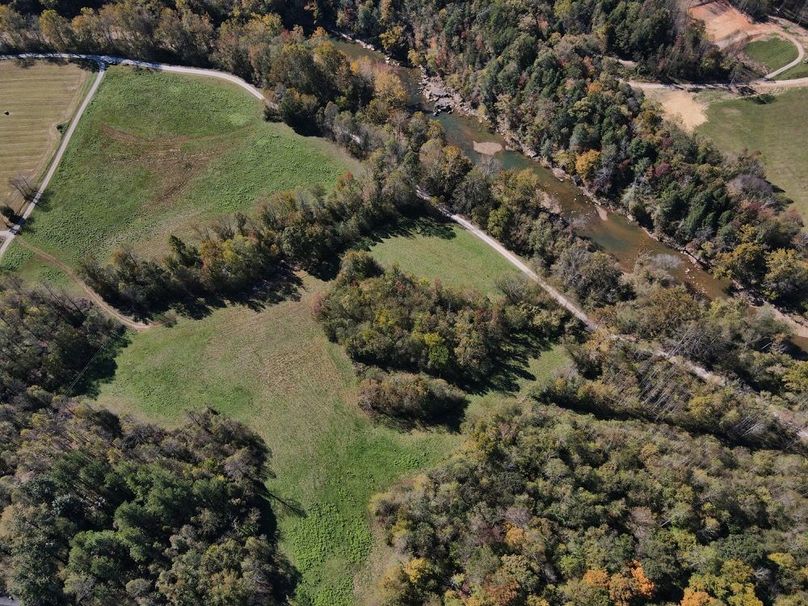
587, 162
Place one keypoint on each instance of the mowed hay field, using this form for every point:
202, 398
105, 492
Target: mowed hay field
158, 153
34, 99
776, 126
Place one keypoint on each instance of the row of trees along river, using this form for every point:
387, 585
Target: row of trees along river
612, 232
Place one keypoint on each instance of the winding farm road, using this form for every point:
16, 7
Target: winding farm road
105, 60
767, 82
795, 62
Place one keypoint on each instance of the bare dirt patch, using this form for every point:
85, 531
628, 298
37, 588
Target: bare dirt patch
725, 24
680, 106
171, 158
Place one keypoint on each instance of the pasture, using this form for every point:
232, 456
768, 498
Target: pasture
775, 126
159, 153
35, 99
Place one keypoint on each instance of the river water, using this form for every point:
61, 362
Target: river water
610, 231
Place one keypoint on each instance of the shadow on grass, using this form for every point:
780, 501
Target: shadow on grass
510, 369
433, 225
284, 285
101, 368
409, 226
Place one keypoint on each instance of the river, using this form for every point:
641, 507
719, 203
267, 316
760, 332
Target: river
611, 232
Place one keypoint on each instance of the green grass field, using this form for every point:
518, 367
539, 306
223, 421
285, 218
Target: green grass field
798, 71
275, 370
446, 252
157, 153
777, 128
773, 52
34, 99
140, 168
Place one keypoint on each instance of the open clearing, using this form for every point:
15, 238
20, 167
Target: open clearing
680, 106
157, 153
772, 52
777, 128
447, 252
34, 99
275, 370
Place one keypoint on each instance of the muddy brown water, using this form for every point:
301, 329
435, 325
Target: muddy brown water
610, 231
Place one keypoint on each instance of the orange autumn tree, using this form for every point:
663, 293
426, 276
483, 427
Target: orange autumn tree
625, 587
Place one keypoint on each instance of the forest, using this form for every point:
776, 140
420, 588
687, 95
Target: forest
97, 509
626, 480
545, 508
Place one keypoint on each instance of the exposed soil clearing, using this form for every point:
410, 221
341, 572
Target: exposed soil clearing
727, 27
487, 148
724, 24
679, 105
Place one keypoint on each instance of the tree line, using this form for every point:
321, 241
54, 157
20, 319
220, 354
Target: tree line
391, 319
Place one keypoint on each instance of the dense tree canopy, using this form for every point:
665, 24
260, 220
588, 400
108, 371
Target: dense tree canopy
103, 511
546, 508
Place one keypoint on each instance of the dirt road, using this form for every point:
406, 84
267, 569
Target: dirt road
91, 294
8, 236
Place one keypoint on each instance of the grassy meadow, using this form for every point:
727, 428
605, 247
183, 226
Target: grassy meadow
274, 369
35, 99
798, 71
446, 252
775, 126
772, 52
158, 153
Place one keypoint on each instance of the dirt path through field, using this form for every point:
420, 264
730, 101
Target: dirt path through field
91, 294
